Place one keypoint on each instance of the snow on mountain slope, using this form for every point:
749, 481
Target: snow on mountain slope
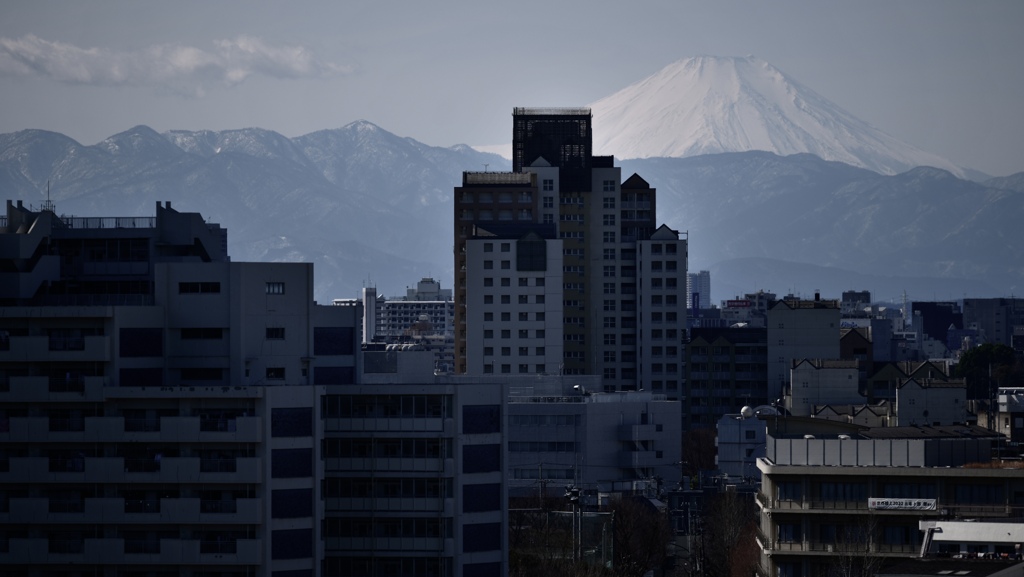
707, 105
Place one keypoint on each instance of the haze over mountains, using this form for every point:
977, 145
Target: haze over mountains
371, 207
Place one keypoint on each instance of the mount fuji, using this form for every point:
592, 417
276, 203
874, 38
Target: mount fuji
708, 105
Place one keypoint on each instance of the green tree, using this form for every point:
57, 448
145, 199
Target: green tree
986, 367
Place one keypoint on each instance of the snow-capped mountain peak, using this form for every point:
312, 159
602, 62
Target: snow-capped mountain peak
709, 104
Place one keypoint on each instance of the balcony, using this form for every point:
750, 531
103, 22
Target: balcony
438, 545
44, 349
444, 507
439, 466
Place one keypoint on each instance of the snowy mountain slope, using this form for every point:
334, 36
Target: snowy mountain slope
708, 105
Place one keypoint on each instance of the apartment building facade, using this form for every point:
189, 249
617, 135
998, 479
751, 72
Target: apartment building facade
602, 223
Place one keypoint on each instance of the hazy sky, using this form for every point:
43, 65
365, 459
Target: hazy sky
945, 76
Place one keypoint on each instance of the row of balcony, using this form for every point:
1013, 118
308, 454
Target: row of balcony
120, 429
135, 511
130, 552
81, 469
781, 506
436, 465
365, 545
390, 424
439, 505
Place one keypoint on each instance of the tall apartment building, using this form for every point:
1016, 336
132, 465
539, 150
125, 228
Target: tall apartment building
698, 286
603, 224
159, 403
414, 476
726, 369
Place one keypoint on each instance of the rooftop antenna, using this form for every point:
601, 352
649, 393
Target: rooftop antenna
485, 166
48, 205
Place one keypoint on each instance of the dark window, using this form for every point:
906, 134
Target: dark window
202, 334
275, 288
485, 497
481, 537
291, 503
291, 463
294, 573
334, 375
531, 255
142, 378
482, 569
481, 419
333, 341
291, 544
275, 333
202, 374
141, 342
276, 373
198, 288
291, 422
481, 458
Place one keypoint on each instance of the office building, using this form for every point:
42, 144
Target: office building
835, 494
698, 290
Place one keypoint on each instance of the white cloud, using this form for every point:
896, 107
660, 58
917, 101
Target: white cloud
182, 69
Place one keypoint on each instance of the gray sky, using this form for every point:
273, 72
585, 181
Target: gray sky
945, 76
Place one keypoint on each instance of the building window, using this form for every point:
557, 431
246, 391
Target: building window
506, 351
506, 334
488, 368
488, 334
608, 236
609, 356
275, 373
609, 322
488, 264
198, 288
549, 219
506, 369
609, 271
609, 288
548, 184
609, 373
549, 202
488, 316
608, 186
506, 265
608, 220
275, 288
488, 247
539, 333
506, 247
488, 281
524, 351
609, 339
609, 202
609, 254
275, 333
539, 316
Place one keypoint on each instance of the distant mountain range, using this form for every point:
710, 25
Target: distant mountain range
369, 207
710, 104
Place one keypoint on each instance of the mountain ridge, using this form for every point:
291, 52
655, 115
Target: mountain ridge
709, 104
369, 206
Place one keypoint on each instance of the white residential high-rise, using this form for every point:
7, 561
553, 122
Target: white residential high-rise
605, 274
699, 284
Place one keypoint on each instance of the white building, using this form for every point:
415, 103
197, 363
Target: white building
931, 402
799, 329
699, 284
822, 382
